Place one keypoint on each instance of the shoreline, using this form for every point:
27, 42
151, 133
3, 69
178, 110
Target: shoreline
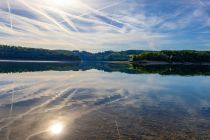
37, 61
113, 62
167, 63
44, 61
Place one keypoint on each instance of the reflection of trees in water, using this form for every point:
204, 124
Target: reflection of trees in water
8, 67
173, 69
12, 67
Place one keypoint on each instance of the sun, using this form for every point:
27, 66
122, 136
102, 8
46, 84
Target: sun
56, 128
65, 3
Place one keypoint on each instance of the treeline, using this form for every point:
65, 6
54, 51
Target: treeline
107, 55
174, 56
20, 53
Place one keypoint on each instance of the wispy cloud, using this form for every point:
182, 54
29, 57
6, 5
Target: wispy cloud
105, 24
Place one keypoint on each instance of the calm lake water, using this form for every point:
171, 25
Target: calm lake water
102, 101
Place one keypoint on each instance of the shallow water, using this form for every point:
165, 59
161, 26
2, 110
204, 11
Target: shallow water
90, 101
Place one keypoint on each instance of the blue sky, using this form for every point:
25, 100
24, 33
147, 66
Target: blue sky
98, 25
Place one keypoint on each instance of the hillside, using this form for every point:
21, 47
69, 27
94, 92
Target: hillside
20, 53
107, 55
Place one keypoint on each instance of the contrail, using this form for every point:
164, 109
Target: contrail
10, 113
46, 16
117, 129
10, 14
41, 12
94, 10
12, 102
36, 108
11, 108
98, 11
35, 134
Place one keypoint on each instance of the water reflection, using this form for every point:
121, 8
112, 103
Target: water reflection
184, 70
95, 104
56, 128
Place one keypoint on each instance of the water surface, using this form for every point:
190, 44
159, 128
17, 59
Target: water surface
103, 101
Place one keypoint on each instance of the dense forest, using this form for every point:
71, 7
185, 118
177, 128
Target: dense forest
20, 53
107, 55
174, 56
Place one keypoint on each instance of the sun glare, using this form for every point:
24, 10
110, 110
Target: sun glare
56, 128
65, 3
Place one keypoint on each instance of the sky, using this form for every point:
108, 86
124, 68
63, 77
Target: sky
99, 25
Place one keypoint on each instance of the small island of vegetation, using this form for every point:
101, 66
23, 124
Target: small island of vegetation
184, 56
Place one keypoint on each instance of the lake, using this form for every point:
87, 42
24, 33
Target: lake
104, 101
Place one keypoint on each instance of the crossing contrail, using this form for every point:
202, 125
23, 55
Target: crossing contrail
10, 14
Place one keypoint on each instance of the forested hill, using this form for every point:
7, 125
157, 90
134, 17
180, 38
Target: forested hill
20, 53
174, 56
107, 55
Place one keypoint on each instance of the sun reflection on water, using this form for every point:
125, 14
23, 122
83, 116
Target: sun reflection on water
56, 128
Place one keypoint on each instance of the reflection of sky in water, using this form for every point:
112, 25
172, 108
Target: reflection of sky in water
99, 105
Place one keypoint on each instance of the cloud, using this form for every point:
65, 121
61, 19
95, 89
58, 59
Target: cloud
103, 24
